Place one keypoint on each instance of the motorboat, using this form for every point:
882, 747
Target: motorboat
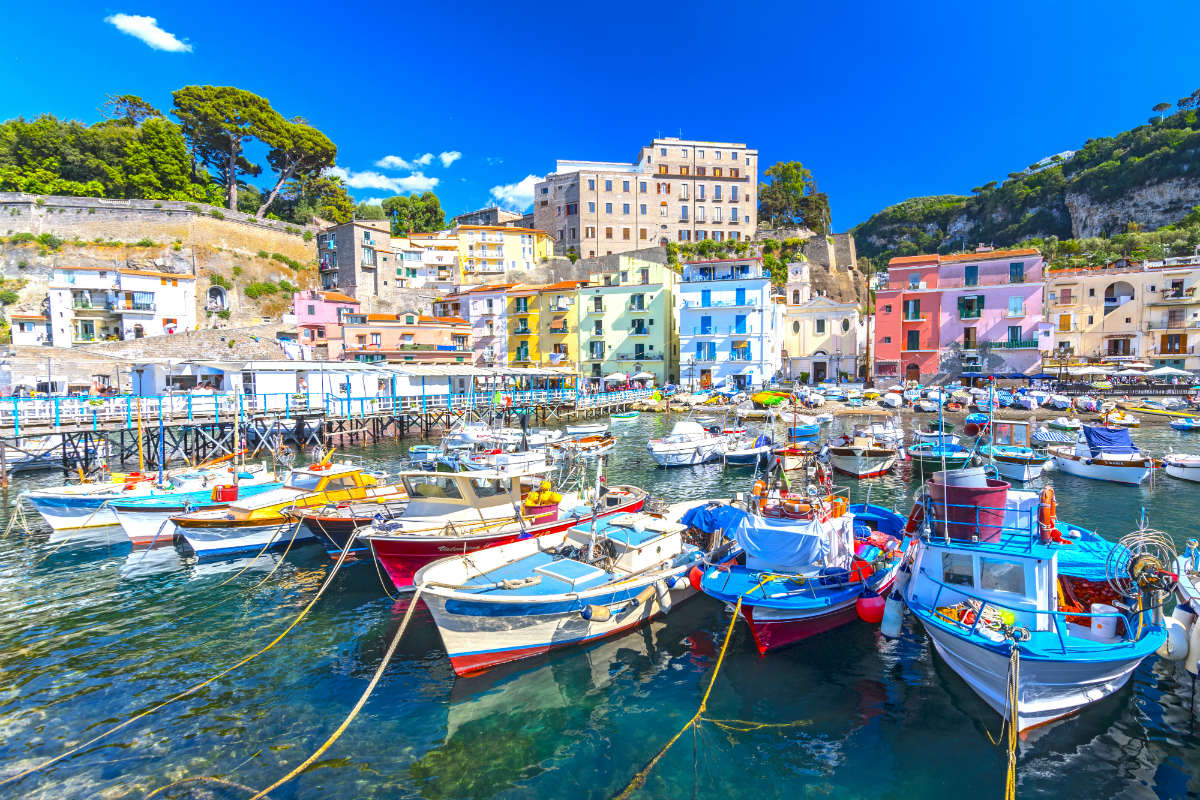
1103, 454
1007, 592
592, 580
262, 521
861, 455
748, 450
891, 400
1183, 466
930, 456
811, 562
1069, 424
689, 443
423, 456
147, 520
483, 458
624, 415
1086, 403
936, 437
806, 431
1187, 424
1121, 418
583, 446
1009, 452
795, 457
587, 429
88, 505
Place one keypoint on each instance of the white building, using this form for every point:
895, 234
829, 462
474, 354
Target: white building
729, 324
822, 339
30, 330
93, 304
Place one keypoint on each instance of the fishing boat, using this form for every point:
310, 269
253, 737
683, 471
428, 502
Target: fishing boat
423, 456
1008, 593
1188, 424
1183, 466
689, 443
803, 428
590, 581
891, 400
861, 456
147, 520
795, 457
483, 458
1119, 417
1010, 453
587, 429
1069, 424
1103, 454
583, 447
624, 415
747, 450
930, 456
813, 563
87, 505
978, 419
260, 522
936, 437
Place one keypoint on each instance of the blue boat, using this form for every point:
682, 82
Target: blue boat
1186, 424
804, 433
1007, 593
808, 572
147, 520
977, 419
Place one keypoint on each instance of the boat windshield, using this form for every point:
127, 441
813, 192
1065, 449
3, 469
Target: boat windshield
432, 486
304, 481
489, 487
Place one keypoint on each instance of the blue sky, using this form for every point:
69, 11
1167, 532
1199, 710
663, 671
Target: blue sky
881, 100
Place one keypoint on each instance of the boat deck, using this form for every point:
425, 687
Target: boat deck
553, 574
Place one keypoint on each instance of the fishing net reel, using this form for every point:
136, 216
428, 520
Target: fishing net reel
1142, 561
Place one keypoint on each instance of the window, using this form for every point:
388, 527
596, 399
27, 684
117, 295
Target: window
733, 173
625, 234
591, 207
598, 328
914, 280
820, 327
608, 186
717, 193
701, 171
625, 209
796, 297
733, 194
589, 233
608, 208
591, 184
409, 320
914, 340
1014, 334
312, 309
1016, 272
683, 213
699, 154
1064, 322
887, 309
608, 233
1016, 306
642, 187
716, 172
733, 214
641, 233
683, 170
795, 327
912, 310
887, 340
1064, 296
624, 186
1000, 576
642, 209
662, 209
970, 342
699, 191
971, 275
845, 326
957, 569
718, 155
717, 214
376, 339
662, 151
970, 306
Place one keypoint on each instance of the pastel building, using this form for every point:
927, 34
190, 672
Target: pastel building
730, 326
485, 307
822, 338
319, 318
486, 252
559, 323
31, 330
627, 320
523, 313
405, 337
92, 304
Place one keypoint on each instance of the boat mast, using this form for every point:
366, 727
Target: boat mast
595, 509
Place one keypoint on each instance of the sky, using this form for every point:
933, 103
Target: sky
881, 100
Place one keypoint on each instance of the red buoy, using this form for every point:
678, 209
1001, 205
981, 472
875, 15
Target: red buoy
971, 429
870, 608
694, 576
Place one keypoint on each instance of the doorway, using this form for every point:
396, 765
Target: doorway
819, 371
706, 379
912, 373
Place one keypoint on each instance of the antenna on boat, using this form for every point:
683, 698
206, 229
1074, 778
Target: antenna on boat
595, 509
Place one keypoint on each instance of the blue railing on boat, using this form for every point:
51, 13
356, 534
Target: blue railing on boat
1020, 536
1058, 617
129, 410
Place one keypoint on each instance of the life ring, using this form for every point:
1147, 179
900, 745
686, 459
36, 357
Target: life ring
795, 508
915, 517
319, 467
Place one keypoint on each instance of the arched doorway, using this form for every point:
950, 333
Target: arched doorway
138, 331
217, 300
1117, 294
912, 373
820, 367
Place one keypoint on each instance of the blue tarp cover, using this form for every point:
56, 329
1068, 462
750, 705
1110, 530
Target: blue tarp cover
709, 518
1108, 440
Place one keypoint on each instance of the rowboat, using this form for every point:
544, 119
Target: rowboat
931, 456
587, 582
623, 415
1009, 453
1188, 424
1183, 466
583, 447
1103, 454
1009, 594
795, 457
688, 444
862, 456
587, 429
1071, 424
147, 520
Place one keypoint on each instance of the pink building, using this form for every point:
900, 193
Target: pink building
319, 317
907, 321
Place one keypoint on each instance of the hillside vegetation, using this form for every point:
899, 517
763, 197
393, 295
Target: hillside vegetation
1144, 178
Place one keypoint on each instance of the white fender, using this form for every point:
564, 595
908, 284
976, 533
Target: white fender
1186, 616
1175, 646
664, 596
893, 615
1192, 662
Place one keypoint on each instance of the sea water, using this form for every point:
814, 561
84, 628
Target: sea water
93, 633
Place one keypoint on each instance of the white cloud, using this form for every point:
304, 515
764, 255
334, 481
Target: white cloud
424, 161
518, 195
417, 182
393, 162
493, 161
374, 201
146, 29
448, 157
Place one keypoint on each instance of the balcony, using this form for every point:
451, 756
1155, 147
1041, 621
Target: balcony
917, 318
739, 355
522, 331
635, 356
559, 331
636, 306
966, 315
328, 266
721, 330
1067, 301
1172, 352
640, 332
1174, 296
136, 308
1010, 314
593, 310
84, 305
748, 302
1016, 344
1172, 325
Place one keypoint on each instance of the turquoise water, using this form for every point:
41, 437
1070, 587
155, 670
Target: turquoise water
92, 633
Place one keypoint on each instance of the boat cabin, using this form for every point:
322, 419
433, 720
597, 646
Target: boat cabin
1010, 433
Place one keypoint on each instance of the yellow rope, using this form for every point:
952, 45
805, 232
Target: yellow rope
362, 700
1011, 720
193, 689
201, 779
639, 780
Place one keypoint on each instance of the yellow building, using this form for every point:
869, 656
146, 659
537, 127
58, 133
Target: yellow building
523, 310
559, 331
486, 252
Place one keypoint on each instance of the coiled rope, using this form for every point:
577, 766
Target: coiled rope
1012, 695
197, 687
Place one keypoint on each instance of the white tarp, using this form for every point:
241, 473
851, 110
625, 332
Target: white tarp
789, 546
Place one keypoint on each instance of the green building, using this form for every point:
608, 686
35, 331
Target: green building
627, 320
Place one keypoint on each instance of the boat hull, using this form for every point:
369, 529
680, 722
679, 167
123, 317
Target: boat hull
148, 526
773, 628
1183, 472
1048, 689
861, 465
222, 540
67, 512
689, 456
1132, 475
1019, 470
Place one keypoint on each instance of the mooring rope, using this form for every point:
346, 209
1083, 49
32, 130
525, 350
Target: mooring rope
195, 688
1011, 720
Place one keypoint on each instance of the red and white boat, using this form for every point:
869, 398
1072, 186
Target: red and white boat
452, 513
861, 456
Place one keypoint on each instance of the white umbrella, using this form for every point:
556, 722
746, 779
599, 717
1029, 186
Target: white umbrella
616, 376
1087, 371
1130, 372
643, 376
1169, 371
1139, 364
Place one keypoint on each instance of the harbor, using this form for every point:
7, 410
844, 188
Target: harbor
99, 631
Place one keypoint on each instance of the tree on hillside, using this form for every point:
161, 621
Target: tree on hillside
792, 197
1189, 102
128, 109
218, 121
416, 213
369, 211
310, 196
1161, 109
297, 149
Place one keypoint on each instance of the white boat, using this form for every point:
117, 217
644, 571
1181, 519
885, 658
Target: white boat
944, 438
1182, 466
587, 429
588, 582
891, 400
926, 405
1119, 417
583, 446
687, 444
1103, 454
998, 577
1059, 402
1071, 424
747, 450
1008, 451
861, 456
87, 505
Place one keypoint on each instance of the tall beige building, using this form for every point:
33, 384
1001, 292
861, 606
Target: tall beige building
678, 190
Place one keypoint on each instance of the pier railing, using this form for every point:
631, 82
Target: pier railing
37, 414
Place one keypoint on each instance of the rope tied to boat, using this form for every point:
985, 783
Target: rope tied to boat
1012, 696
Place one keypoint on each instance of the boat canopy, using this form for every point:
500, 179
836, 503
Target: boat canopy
1108, 440
789, 545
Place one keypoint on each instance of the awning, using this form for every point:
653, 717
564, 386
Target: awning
643, 376
616, 376
1164, 371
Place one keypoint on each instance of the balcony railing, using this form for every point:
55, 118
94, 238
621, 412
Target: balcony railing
637, 306
720, 330
917, 318
92, 305
640, 332
559, 331
748, 301
1171, 294
1173, 352
739, 355
966, 314
522, 331
1172, 324
1016, 344
648, 357
136, 307
593, 310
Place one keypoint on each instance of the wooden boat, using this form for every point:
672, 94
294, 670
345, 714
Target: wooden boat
1103, 454
624, 415
1008, 451
147, 520
861, 456
931, 456
587, 429
1004, 574
577, 585
1183, 466
258, 522
810, 564
582, 447
795, 457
